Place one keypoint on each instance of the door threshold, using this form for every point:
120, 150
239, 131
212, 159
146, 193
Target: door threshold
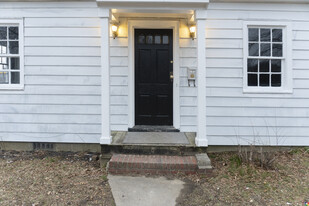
153, 128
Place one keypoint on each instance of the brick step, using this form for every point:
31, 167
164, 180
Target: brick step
155, 164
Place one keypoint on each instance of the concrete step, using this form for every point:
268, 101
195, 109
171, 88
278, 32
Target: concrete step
158, 164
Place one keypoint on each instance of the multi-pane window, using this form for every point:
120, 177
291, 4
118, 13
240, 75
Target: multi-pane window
10, 68
265, 57
150, 39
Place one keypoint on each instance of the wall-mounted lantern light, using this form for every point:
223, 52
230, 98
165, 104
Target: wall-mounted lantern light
115, 30
192, 29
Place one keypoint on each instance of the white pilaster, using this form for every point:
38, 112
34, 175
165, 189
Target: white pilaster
106, 138
201, 135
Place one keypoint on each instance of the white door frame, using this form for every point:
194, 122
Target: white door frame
154, 24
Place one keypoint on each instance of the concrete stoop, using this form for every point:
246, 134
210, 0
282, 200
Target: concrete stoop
159, 164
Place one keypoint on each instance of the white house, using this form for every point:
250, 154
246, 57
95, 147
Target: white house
233, 71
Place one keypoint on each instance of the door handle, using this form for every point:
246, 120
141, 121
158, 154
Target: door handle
171, 76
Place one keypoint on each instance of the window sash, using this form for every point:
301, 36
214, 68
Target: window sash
14, 23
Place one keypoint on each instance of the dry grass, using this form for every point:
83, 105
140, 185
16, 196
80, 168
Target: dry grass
236, 183
52, 179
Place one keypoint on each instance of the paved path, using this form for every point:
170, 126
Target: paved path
144, 191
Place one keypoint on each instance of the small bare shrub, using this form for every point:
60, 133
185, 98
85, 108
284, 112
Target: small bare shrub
257, 156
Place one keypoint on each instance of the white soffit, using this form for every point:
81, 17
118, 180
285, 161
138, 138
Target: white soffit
153, 8
154, 4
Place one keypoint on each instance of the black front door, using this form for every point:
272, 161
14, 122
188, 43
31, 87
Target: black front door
153, 82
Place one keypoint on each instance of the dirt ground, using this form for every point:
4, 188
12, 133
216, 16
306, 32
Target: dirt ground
235, 183
44, 178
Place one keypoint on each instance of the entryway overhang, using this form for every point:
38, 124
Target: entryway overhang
195, 13
153, 8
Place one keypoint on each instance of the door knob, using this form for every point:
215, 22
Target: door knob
171, 76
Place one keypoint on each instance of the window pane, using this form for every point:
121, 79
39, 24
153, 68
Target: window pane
252, 65
265, 35
15, 78
252, 79
149, 39
253, 49
15, 63
141, 39
276, 65
3, 32
277, 35
264, 80
13, 33
4, 63
253, 34
265, 50
3, 47
13, 45
157, 39
264, 65
4, 77
165, 39
276, 80
277, 50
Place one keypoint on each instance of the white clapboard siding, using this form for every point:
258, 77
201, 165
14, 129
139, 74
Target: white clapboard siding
51, 128
51, 137
55, 109
119, 89
63, 51
61, 101
188, 95
62, 70
50, 119
69, 41
62, 22
234, 117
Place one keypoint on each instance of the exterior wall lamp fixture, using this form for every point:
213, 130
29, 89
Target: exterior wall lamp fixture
115, 30
192, 29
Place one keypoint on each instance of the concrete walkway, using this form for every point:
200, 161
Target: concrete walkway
144, 191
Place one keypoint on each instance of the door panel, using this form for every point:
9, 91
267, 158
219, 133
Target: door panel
153, 86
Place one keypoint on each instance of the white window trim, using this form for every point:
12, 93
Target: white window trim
20, 24
287, 70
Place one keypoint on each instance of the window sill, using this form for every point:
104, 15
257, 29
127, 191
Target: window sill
11, 87
267, 91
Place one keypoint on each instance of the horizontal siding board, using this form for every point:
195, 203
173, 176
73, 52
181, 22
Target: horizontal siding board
257, 102
257, 131
51, 128
257, 15
119, 51
51, 137
264, 140
224, 43
62, 70
50, 99
41, 5
63, 61
50, 119
51, 32
226, 112
68, 41
223, 34
51, 12
259, 7
11, 108
63, 51
62, 22
258, 121
63, 80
